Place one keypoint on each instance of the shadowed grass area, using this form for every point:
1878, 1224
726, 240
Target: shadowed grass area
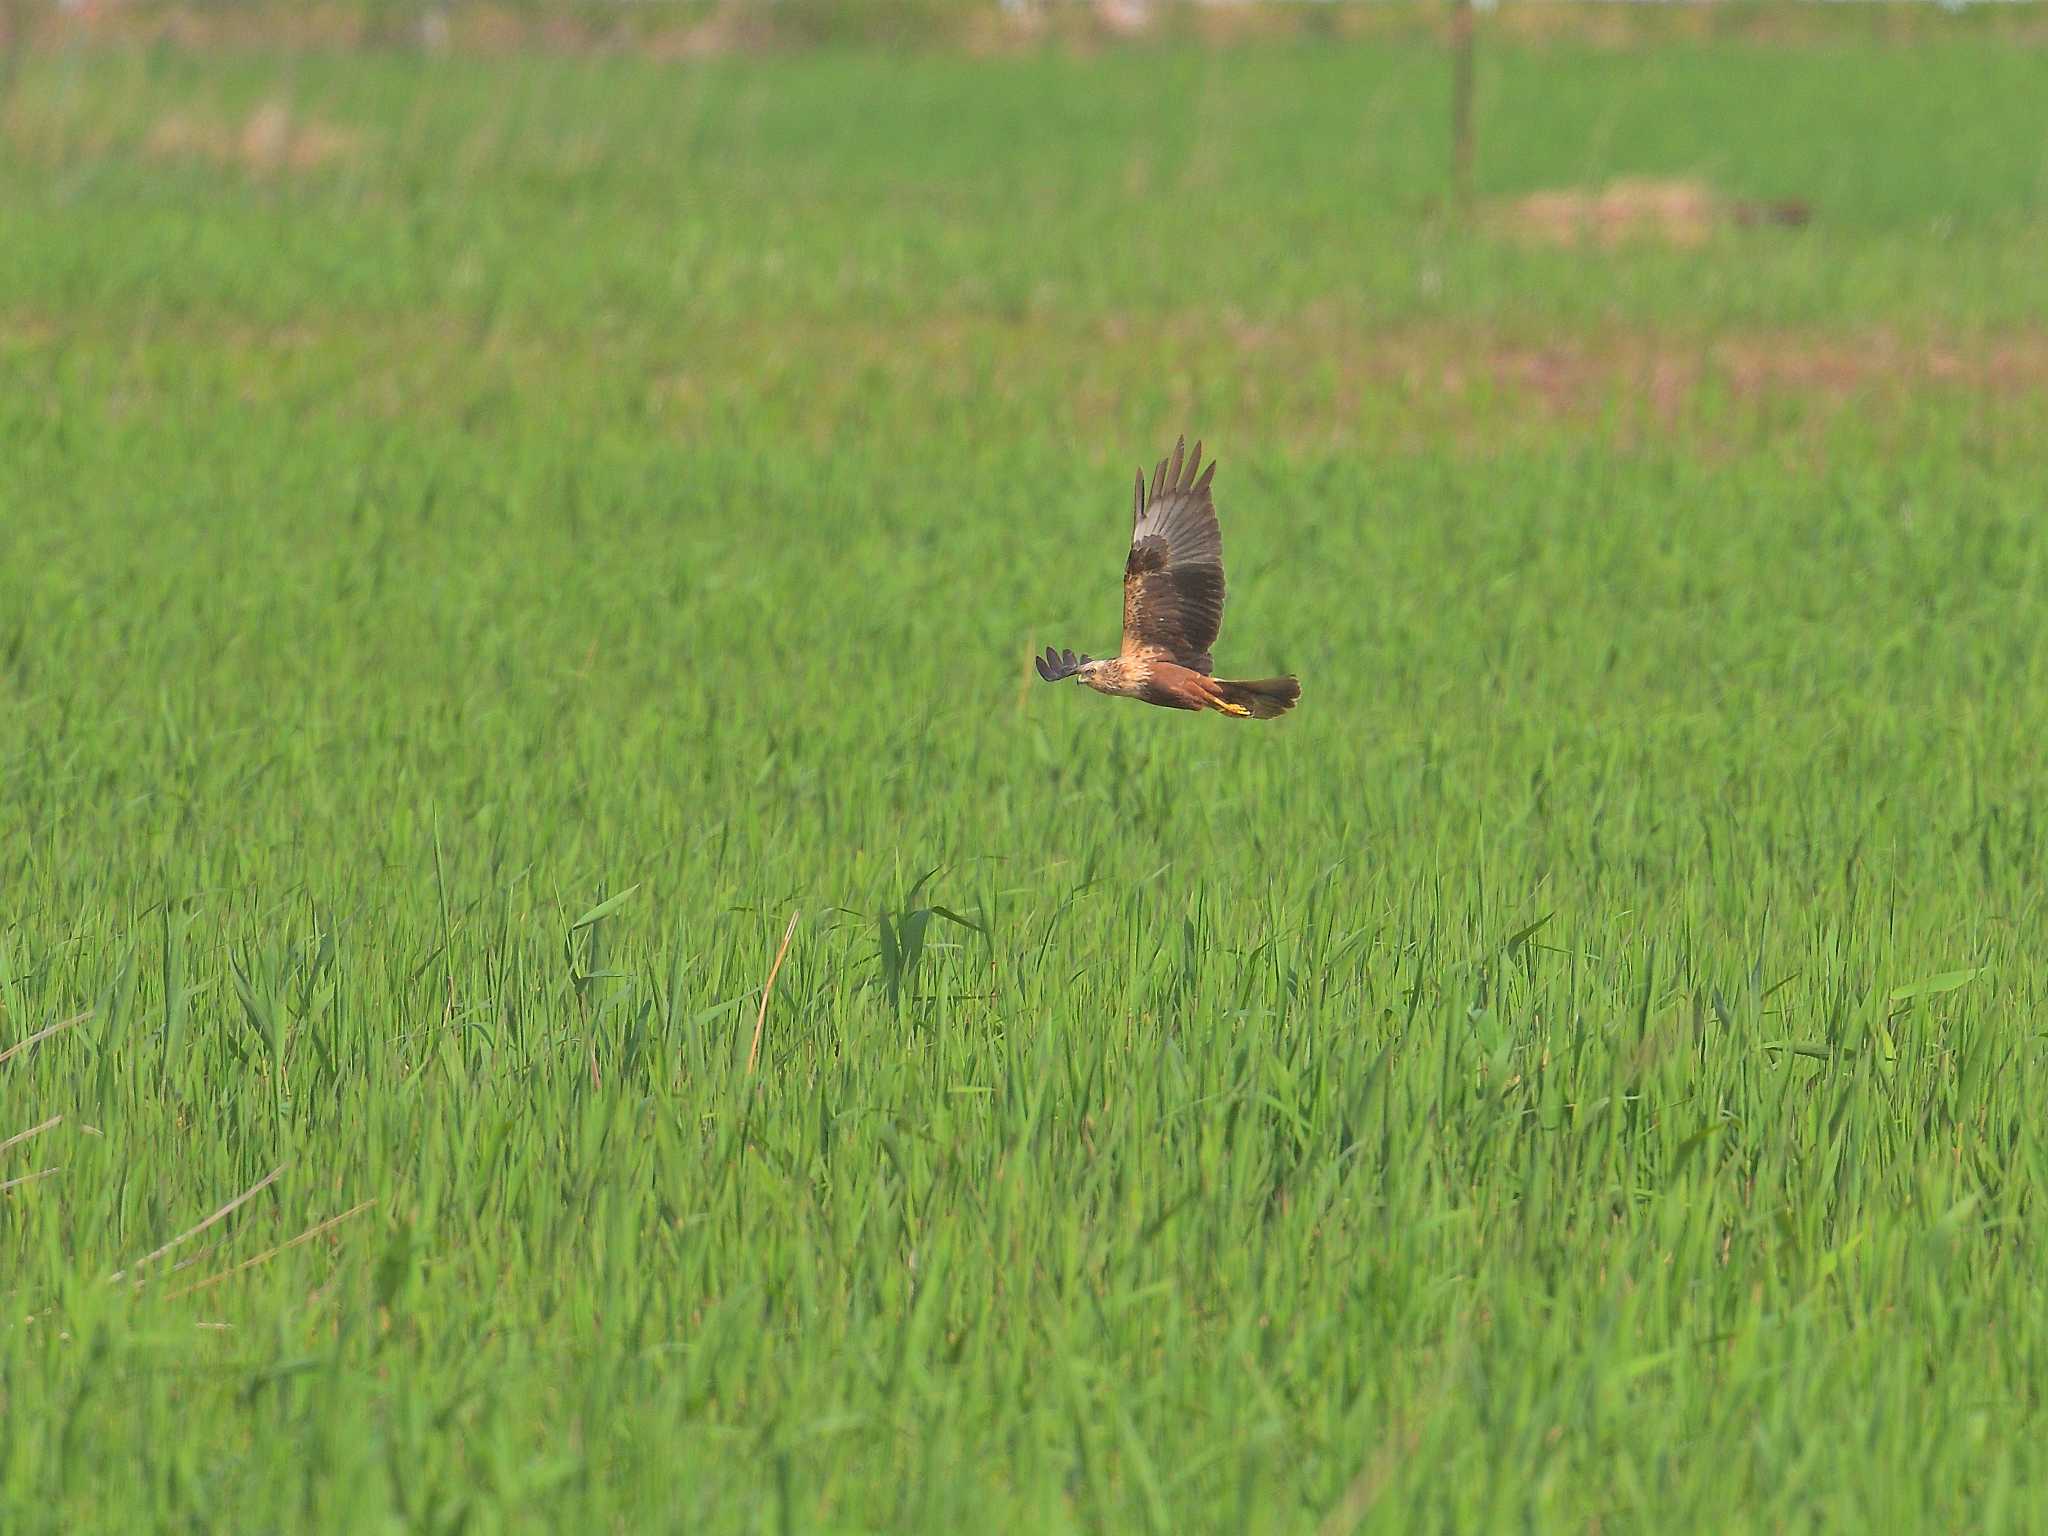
461, 593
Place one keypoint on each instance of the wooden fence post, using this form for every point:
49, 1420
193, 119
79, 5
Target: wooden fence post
1461, 103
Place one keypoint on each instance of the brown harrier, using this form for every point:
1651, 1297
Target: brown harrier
1173, 606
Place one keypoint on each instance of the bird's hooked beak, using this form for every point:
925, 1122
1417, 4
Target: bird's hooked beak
1054, 665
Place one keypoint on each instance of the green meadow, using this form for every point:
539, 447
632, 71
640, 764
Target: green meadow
487, 539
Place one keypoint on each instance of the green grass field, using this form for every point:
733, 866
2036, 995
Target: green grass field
483, 541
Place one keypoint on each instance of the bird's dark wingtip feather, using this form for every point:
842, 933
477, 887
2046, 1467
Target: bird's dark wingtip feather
1057, 664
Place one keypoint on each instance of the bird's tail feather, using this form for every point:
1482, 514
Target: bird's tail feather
1260, 700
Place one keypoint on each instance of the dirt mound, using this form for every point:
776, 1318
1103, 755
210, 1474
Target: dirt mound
270, 140
1676, 212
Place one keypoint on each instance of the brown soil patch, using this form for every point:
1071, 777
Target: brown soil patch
270, 140
1681, 213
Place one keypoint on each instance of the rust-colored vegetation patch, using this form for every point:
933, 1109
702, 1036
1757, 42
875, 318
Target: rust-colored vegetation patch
270, 140
1679, 212
1307, 380
1668, 378
1311, 380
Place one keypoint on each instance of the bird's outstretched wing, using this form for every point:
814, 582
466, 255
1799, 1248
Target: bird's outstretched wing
1173, 580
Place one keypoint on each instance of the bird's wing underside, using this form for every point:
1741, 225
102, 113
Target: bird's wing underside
1173, 580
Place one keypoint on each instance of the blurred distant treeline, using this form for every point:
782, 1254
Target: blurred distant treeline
693, 28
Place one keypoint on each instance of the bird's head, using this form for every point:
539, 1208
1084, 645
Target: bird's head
1054, 666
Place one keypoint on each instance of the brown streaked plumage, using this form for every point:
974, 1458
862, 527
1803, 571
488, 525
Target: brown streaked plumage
1173, 606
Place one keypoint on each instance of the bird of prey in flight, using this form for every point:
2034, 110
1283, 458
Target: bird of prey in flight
1173, 606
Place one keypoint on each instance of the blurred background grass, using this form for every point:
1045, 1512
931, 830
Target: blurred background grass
495, 516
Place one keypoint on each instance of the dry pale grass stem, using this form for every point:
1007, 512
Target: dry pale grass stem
43, 1034
270, 1253
222, 1214
767, 987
